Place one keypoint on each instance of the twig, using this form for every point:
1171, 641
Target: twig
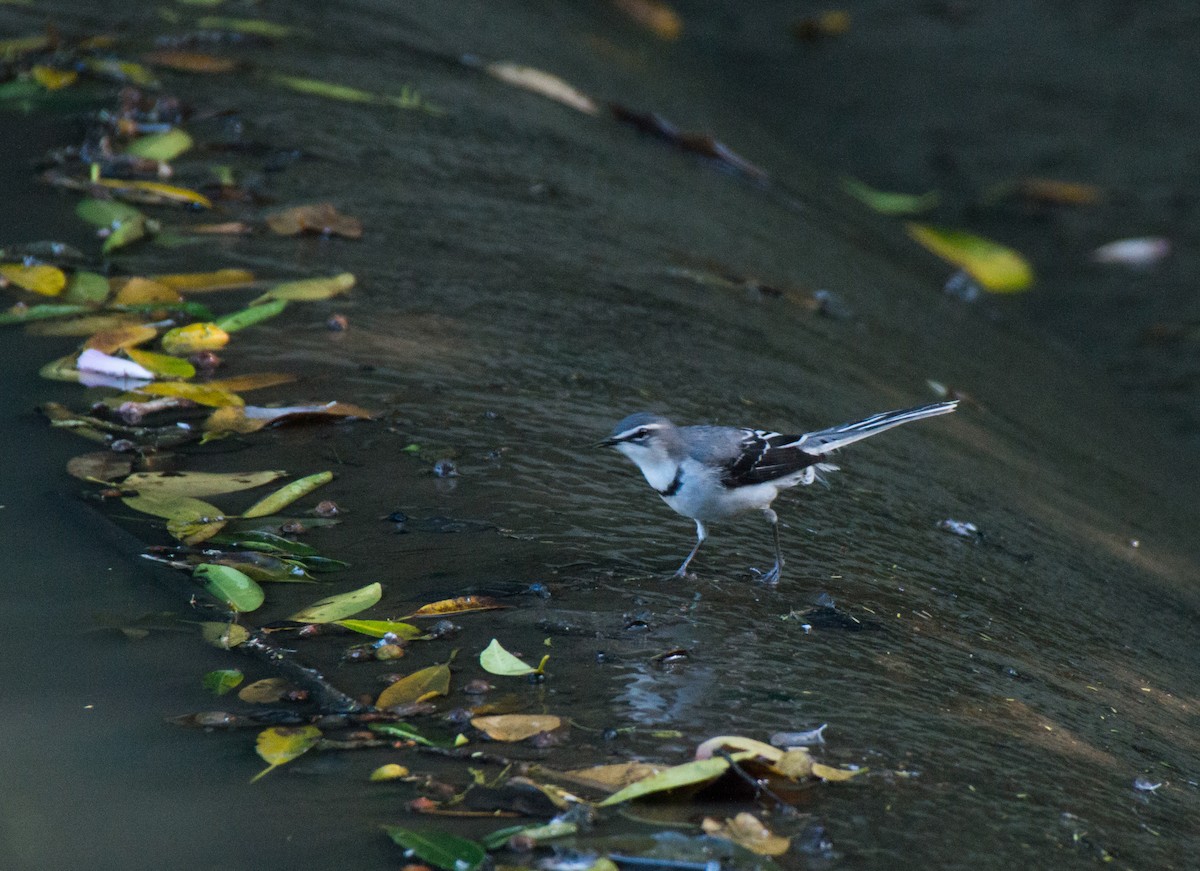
328, 698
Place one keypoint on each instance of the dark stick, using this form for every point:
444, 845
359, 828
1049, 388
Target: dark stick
328, 698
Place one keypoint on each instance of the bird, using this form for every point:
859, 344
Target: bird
710, 473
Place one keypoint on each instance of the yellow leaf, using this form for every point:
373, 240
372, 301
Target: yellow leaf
739, 743
122, 338
46, 280
163, 365
136, 291
318, 218
194, 337
53, 79
391, 771
154, 192
309, 289
171, 506
281, 744
826, 772
616, 776
232, 420
516, 727
197, 484
795, 764
458, 606
747, 831
199, 282
201, 394
275, 502
424, 684
340, 606
253, 381
996, 268
654, 15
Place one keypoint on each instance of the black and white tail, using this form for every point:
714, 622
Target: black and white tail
827, 440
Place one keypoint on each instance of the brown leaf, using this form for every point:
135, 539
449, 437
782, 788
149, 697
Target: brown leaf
135, 291
418, 686
654, 15
111, 341
616, 776
516, 727
747, 831
319, 218
190, 61
100, 466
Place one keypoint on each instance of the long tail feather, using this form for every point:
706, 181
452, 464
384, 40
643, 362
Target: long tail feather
827, 440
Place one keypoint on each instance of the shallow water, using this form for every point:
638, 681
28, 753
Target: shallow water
519, 292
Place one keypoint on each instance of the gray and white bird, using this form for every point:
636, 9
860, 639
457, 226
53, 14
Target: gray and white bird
710, 473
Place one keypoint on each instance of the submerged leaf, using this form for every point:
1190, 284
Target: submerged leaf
121, 338
234, 588
285, 496
250, 26
222, 680
654, 15
86, 287
190, 61
21, 313
100, 466
341, 606
139, 291
497, 660
418, 686
995, 267
320, 218
516, 727
442, 850
281, 744
39, 278
106, 213
266, 691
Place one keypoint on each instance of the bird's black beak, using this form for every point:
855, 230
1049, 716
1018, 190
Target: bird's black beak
607, 443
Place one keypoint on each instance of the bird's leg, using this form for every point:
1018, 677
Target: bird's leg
771, 575
701, 534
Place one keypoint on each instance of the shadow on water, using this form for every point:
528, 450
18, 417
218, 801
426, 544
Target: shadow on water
520, 289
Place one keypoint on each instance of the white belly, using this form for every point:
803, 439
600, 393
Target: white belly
703, 498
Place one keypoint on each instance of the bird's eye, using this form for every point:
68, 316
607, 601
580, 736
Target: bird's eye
641, 434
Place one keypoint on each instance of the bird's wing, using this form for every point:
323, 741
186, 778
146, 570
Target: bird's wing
766, 456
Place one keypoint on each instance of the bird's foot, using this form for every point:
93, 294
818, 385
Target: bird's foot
680, 573
770, 576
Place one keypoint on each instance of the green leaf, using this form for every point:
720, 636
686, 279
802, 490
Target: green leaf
224, 635
124, 233
107, 213
232, 587
239, 320
309, 289
285, 496
318, 88
167, 145
162, 365
162, 484
380, 628
402, 730
687, 774
888, 203
41, 312
341, 606
250, 26
86, 287
281, 744
995, 267
439, 849
323, 565
265, 541
497, 660
222, 680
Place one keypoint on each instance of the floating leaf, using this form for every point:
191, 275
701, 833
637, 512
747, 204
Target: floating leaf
679, 776
139, 291
194, 530
543, 83
190, 61
53, 79
92, 360
232, 587
197, 483
201, 282
888, 203
224, 635
107, 213
285, 496
391, 771
654, 15
21, 313
222, 680
341, 606
46, 280
194, 337
497, 660
309, 289
739, 743
250, 26
165, 146
320, 218
403, 731
259, 540
86, 287
442, 850
266, 691
996, 268
416, 687
1139, 253
281, 744
153, 192
121, 338
516, 727
124, 233
458, 605
253, 418
121, 71
239, 320
171, 505
85, 326
616, 776
252, 381
826, 772
746, 830
264, 568
1061, 193
99, 466
380, 628
201, 394
19, 45
162, 365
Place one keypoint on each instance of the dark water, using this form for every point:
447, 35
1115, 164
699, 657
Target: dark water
519, 291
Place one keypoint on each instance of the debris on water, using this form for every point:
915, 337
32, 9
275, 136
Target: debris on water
799, 739
965, 528
1139, 253
327, 508
962, 287
445, 469
1143, 784
337, 323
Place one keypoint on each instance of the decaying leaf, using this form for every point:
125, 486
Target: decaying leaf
252, 381
197, 484
746, 830
416, 687
266, 691
739, 743
827, 772
84, 326
516, 727
281, 744
137, 291
341, 606
121, 338
615, 776
100, 466
190, 61
319, 218
224, 635
995, 267
459, 605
